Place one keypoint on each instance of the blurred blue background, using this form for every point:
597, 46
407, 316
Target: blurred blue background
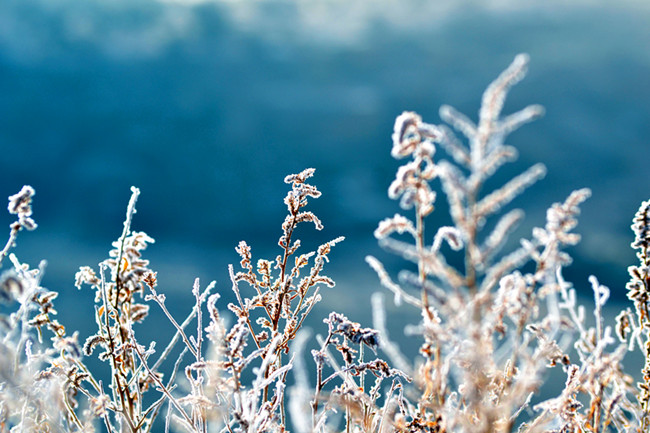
207, 105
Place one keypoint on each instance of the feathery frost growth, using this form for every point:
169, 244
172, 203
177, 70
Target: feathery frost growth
494, 325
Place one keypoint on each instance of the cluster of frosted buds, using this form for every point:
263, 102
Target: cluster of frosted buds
295, 200
300, 190
353, 331
412, 137
133, 268
86, 275
21, 204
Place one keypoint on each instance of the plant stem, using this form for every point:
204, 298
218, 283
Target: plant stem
419, 239
10, 242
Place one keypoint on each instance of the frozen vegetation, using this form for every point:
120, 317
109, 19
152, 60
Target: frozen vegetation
494, 322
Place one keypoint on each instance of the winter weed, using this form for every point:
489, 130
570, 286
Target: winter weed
492, 329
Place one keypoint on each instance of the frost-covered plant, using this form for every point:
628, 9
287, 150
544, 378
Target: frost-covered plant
636, 328
489, 329
58, 392
20, 204
215, 392
353, 393
38, 380
494, 326
279, 304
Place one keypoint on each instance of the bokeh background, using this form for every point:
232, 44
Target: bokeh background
207, 105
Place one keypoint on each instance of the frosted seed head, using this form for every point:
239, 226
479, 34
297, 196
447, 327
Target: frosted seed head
319, 357
410, 134
86, 275
27, 223
300, 177
406, 134
20, 203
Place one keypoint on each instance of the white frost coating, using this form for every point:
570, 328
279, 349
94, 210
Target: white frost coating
497, 199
